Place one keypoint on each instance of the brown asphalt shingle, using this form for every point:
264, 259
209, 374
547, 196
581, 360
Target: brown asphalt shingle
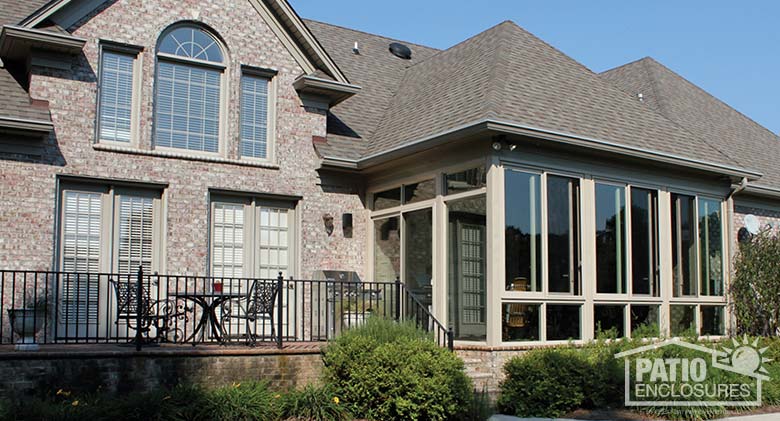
747, 142
508, 74
375, 70
15, 11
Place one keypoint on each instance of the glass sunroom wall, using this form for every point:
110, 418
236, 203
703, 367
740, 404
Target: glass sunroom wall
683, 245
710, 247
563, 225
523, 232
611, 240
644, 242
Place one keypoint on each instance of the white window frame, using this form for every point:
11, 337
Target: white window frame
136, 52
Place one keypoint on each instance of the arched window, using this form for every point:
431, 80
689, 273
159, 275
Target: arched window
190, 67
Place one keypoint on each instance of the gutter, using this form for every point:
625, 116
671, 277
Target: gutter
51, 40
15, 124
546, 134
742, 186
763, 191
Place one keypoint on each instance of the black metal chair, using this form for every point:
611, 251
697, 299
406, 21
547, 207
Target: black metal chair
154, 313
258, 305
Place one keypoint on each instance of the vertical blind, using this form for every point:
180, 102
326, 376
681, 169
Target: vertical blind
80, 253
135, 233
116, 96
254, 116
187, 107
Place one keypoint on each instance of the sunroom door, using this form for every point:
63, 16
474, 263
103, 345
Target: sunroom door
467, 268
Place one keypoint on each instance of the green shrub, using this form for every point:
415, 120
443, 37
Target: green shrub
314, 404
754, 288
384, 370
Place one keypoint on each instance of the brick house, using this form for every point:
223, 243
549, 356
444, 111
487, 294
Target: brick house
522, 198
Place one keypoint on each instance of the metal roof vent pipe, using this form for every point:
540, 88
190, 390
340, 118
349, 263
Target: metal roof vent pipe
356, 48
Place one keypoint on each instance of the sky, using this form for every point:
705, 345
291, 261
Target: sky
729, 48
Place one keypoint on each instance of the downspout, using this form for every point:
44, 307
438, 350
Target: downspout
732, 321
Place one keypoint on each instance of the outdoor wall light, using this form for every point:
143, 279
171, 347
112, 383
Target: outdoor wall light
327, 219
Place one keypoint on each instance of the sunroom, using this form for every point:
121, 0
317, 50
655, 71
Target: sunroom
513, 242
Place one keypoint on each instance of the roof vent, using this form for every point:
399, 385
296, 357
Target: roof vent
400, 50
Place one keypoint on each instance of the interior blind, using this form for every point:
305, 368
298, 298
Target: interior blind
80, 253
187, 107
136, 215
116, 96
254, 116
228, 244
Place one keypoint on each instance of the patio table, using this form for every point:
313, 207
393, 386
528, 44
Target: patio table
208, 302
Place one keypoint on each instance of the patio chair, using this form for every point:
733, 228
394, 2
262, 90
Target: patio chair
154, 313
257, 306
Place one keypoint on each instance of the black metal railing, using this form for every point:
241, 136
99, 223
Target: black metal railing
39, 307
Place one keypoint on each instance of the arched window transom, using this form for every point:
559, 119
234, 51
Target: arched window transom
191, 42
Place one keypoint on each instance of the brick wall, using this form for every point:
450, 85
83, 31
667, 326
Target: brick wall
126, 371
28, 183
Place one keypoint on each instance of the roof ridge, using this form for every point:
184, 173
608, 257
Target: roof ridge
495, 82
439, 52
702, 90
414, 44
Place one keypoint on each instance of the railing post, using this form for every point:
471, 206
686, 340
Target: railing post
397, 298
450, 339
138, 311
279, 313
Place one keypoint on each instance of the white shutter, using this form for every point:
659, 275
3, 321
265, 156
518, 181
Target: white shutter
80, 253
116, 96
136, 215
228, 243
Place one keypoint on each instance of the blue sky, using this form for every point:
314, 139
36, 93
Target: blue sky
729, 48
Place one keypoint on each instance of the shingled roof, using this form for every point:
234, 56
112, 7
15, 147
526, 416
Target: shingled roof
17, 103
378, 73
502, 74
747, 142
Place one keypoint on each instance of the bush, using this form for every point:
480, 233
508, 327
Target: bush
384, 370
314, 404
754, 287
242, 401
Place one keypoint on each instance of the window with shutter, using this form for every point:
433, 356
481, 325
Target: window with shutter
80, 253
116, 96
136, 233
254, 117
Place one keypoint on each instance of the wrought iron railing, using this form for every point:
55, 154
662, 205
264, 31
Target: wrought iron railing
39, 307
